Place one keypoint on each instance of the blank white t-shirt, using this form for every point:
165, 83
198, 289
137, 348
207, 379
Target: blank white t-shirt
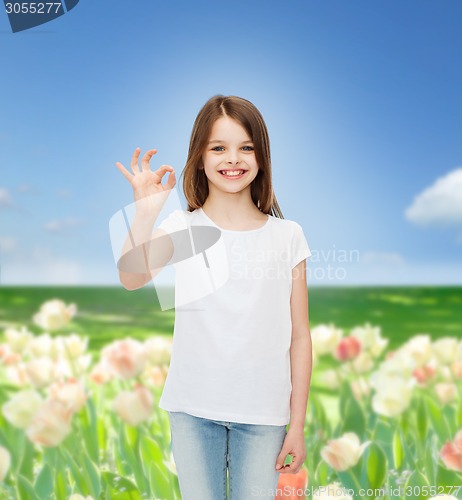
231, 344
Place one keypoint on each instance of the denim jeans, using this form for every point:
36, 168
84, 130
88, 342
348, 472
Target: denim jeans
206, 452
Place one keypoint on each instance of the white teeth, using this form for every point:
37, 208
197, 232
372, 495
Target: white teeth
231, 173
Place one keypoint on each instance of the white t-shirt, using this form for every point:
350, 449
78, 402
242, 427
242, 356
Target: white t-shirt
231, 344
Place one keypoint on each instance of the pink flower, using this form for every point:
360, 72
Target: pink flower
102, 373
8, 356
451, 453
71, 393
51, 424
125, 357
348, 348
134, 407
424, 373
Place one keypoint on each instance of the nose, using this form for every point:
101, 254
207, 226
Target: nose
233, 158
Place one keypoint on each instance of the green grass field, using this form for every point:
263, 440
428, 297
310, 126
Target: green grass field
107, 313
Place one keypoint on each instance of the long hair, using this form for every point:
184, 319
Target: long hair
195, 184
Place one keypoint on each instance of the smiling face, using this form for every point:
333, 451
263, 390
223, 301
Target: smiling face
229, 158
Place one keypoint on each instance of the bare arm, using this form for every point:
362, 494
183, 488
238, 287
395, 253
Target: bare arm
301, 348
301, 365
144, 253
136, 264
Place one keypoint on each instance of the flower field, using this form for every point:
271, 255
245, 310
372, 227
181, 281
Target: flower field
80, 379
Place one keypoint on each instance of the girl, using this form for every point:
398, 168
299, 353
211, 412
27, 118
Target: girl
241, 360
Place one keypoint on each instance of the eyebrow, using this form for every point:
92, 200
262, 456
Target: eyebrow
224, 142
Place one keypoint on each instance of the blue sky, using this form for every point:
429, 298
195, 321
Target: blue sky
362, 101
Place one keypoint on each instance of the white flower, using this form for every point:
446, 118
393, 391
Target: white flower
82, 363
41, 345
363, 362
18, 339
330, 378
444, 497
65, 367
73, 346
333, 491
156, 375
446, 392
370, 338
419, 347
325, 339
21, 408
446, 350
16, 374
445, 373
54, 315
459, 351
399, 364
5, 462
361, 388
344, 452
393, 395
40, 371
158, 349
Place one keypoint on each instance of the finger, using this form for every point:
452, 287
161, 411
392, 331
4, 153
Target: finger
147, 158
162, 170
124, 171
293, 467
280, 460
134, 162
171, 181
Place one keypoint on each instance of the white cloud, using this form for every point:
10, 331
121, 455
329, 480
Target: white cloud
440, 204
40, 265
27, 188
64, 193
60, 271
382, 258
446, 273
7, 243
5, 198
56, 226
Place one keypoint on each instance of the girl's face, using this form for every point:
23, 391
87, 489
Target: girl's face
229, 158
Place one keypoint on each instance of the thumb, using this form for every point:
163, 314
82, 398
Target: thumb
281, 458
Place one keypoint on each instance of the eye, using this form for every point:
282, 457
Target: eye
250, 148
216, 147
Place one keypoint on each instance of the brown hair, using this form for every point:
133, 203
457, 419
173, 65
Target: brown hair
195, 185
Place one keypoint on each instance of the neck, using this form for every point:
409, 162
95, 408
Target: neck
230, 206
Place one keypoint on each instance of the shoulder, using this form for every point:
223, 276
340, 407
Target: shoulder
175, 220
289, 226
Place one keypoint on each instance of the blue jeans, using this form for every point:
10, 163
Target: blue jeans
203, 449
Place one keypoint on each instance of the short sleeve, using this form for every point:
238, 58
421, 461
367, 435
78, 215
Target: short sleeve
175, 221
300, 248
